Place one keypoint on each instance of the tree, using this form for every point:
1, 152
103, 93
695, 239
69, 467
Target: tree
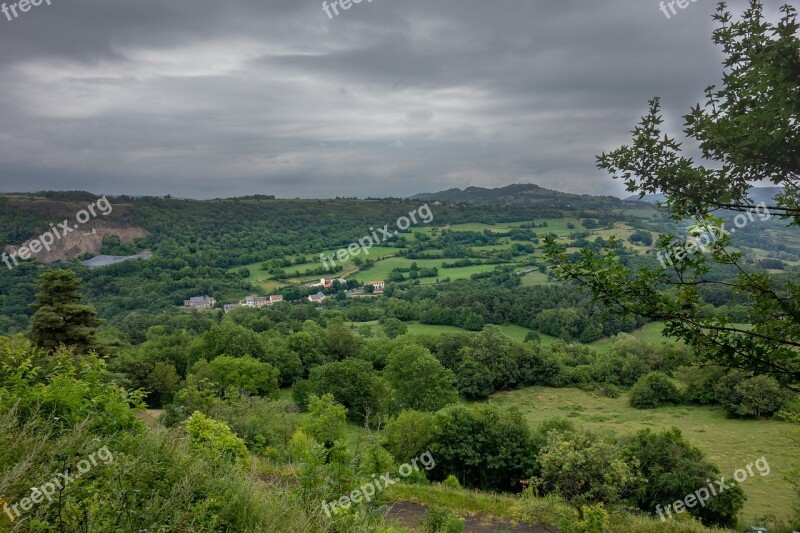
340, 343
747, 132
394, 328
654, 390
245, 374
671, 468
59, 318
700, 382
326, 421
215, 438
759, 396
742, 395
228, 339
163, 384
419, 379
351, 383
307, 346
584, 468
491, 351
483, 446
473, 380
408, 435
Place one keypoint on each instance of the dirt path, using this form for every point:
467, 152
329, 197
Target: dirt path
150, 416
411, 515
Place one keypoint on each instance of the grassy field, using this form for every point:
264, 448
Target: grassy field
535, 278
650, 332
256, 274
729, 443
382, 269
517, 333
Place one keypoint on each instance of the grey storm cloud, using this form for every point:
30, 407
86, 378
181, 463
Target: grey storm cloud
206, 98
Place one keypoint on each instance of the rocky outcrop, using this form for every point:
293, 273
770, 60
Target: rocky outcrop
86, 239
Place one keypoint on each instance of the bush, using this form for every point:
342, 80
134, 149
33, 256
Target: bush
451, 482
485, 447
700, 382
420, 380
741, 395
671, 468
215, 438
153, 483
594, 519
244, 373
63, 388
584, 468
654, 390
440, 520
409, 435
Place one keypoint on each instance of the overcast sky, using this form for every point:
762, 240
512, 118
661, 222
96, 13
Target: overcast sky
210, 98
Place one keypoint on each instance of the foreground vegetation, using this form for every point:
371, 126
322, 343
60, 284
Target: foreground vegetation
476, 360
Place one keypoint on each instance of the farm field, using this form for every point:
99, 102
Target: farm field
649, 332
729, 443
554, 225
517, 333
256, 274
382, 269
535, 278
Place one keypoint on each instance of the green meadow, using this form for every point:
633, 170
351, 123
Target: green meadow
382, 269
730, 443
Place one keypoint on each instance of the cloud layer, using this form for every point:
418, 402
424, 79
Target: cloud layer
204, 98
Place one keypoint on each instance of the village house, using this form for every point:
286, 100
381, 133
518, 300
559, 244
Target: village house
354, 293
256, 302
317, 298
377, 286
200, 302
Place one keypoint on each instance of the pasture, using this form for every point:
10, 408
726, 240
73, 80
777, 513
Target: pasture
729, 443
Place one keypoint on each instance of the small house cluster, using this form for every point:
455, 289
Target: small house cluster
255, 302
326, 283
199, 303
377, 286
377, 289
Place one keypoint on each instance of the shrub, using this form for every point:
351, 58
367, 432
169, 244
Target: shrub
440, 520
485, 447
750, 397
654, 390
153, 483
584, 468
351, 382
215, 438
451, 482
408, 435
420, 380
243, 373
594, 519
64, 388
671, 468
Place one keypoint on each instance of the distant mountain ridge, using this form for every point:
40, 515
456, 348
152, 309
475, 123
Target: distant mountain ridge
758, 195
521, 194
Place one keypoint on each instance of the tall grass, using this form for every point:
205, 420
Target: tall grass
153, 483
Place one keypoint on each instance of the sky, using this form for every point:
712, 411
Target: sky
204, 99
